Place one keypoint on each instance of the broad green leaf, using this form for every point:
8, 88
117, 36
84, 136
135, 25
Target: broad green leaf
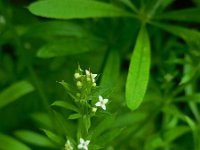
191, 36
195, 131
138, 74
189, 88
190, 123
154, 142
87, 122
34, 138
175, 133
111, 70
153, 7
129, 119
104, 125
43, 120
55, 28
189, 98
14, 92
65, 105
9, 143
189, 14
68, 88
70, 46
129, 4
52, 136
108, 136
188, 76
75, 116
70, 9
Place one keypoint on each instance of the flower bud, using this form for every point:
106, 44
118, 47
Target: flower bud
94, 84
88, 79
94, 109
77, 75
79, 84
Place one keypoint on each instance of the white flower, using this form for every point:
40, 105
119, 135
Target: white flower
68, 145
83, 144
102, 102
93, 76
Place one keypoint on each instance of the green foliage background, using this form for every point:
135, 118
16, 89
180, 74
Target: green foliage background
147, 53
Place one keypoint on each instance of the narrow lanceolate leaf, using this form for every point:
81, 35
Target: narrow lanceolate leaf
34, 138
65, 105
190, 36
111, 70
8, 143
69, 9
14, 92
69, 47
138, 74
189, 15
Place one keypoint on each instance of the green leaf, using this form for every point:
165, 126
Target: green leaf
191, 36
111, 70
68, 88
104, 125
87, 122
42, 119
75, 116
65, 105
109, 136
70, 46
55, 28
189, 98
189, 14
138, 74
9, 143
129, 119
70, 9
34, 138
129, 4
175, 133
52, 136
14, 92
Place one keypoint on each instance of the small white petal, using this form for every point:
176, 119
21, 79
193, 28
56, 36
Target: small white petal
86, 148
100, 98
103, 107
82, 141
80, 146
105, 101
94, 76
87, 142
98, 104
87, 72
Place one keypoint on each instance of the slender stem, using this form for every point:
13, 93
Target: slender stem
153, 10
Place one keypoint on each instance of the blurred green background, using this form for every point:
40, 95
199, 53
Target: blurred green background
38, 50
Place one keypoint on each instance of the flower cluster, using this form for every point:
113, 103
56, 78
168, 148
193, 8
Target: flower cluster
87, 100
85, 82
88, 78
68, 145
83, 145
